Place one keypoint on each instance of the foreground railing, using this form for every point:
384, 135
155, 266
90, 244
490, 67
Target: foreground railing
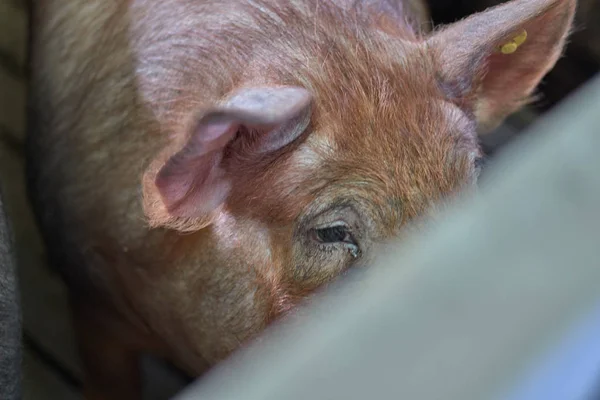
501, 300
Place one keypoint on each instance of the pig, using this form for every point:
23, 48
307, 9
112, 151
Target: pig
10, 314
200, 168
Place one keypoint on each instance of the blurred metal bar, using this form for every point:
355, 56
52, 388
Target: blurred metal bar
473, 308
571, 371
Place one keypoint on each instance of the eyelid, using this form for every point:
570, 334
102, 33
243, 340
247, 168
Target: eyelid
333, 224
329, 216
340, 213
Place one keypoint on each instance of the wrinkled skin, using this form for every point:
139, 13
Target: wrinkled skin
198, 169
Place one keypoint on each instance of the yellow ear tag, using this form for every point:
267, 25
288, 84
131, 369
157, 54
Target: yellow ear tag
511, 47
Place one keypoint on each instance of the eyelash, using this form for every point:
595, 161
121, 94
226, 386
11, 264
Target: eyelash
332, 231
349, 242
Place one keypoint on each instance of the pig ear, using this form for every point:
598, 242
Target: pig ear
494, 60
193, 182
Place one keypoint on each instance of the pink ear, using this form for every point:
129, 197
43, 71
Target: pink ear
474, 68
192, 183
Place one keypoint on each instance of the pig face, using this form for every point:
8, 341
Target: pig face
333, 137
302, 180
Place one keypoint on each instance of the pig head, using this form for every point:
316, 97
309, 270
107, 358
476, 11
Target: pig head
331, 137
258, 150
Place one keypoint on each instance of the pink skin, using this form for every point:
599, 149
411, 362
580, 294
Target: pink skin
198, 170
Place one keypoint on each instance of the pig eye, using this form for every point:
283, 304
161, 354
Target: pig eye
333, 234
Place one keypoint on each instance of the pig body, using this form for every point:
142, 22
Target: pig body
199, 167
10, 315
